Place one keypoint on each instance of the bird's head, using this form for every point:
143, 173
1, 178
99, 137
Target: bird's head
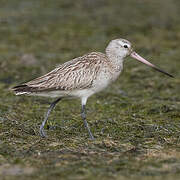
121, 48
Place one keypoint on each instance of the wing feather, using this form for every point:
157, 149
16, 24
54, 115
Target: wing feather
78, 73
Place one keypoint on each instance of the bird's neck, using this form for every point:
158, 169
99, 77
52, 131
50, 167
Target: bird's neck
115, 58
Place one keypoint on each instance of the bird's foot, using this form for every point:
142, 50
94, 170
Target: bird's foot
91, 136
42, 133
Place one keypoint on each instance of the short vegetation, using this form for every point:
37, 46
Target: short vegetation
136, 121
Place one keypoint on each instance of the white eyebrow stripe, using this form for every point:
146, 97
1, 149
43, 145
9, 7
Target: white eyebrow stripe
120, 43
123, 43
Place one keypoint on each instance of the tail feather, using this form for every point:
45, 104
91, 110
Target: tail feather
23, 89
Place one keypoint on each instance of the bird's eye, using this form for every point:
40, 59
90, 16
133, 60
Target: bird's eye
125, 46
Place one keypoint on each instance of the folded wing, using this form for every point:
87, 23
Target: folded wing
78, 73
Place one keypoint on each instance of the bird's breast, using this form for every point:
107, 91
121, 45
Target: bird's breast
105, 78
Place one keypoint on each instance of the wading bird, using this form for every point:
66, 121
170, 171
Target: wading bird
82, 77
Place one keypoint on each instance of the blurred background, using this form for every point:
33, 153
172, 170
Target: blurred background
43, 33
136, 121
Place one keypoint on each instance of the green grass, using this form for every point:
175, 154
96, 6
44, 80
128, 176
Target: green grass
136, 121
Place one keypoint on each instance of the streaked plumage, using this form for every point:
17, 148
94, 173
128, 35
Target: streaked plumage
78, 74
82, 77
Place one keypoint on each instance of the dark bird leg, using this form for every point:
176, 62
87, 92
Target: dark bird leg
42, 133
83, 115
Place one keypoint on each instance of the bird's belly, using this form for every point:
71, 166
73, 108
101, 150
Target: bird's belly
51, 94
104, 80
79, 93
100, 85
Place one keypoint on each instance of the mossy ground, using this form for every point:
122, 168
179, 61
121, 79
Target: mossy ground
136, 122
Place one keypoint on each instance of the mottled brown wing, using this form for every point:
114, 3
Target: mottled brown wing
78, 73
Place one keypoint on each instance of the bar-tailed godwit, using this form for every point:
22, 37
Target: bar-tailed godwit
82, 77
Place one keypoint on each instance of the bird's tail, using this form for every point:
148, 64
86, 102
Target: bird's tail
22, 89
